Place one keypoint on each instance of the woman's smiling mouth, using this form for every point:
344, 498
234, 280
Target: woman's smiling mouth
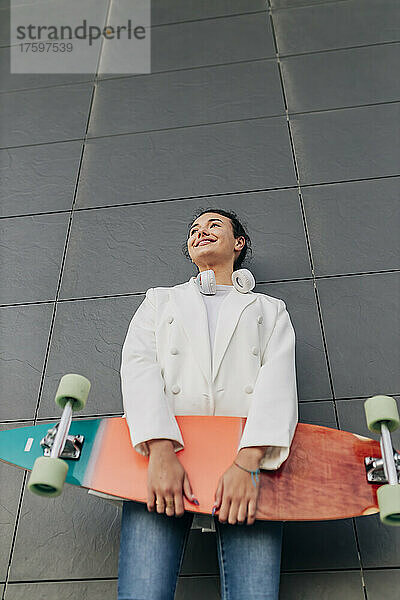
204, 242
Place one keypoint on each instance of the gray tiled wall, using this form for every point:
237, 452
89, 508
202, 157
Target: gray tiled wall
286, 112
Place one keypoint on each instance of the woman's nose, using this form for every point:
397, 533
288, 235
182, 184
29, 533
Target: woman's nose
201, 234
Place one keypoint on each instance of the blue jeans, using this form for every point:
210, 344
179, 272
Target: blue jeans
152, 547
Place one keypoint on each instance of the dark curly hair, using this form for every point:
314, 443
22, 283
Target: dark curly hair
238, 230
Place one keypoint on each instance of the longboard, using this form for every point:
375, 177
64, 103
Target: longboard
323, 478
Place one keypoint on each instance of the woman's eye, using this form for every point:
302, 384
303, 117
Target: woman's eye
212, 225
194, 230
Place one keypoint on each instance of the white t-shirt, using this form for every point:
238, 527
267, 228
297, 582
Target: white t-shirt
213, 303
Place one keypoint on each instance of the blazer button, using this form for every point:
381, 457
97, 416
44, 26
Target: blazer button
175, 389
174, 350
260, 319
254, 350
248, 389
170, 319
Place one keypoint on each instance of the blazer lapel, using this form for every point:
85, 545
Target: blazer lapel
192, 313
230, 310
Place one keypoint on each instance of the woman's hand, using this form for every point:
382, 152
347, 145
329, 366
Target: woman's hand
236, 497
165, 479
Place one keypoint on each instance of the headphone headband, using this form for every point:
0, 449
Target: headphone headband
242, 279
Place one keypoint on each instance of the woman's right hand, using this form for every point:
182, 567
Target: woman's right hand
166, 478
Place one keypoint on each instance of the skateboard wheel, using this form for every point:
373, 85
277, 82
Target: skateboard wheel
72, 387
48, 476
381, 408
389, 503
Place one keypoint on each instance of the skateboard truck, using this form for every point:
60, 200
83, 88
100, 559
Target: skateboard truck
375, 468
72, 444
383, 417
50, 471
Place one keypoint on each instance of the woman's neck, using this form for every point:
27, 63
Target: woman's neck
222, 276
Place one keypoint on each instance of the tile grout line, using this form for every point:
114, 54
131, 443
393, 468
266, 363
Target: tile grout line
207, 124
316, 290
260, 282
51, 330
196, 67
303, 212
201, 196
359, 558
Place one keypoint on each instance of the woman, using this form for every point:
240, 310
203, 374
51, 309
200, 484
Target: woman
178, 359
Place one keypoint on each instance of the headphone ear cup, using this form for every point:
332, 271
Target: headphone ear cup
243, 280
206, 282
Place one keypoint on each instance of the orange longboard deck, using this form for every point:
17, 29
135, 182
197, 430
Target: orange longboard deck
323, 478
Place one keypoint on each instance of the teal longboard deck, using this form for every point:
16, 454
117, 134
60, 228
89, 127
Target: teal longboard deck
108, 463
21, 447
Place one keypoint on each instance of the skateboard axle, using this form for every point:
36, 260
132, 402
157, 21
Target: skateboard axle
387, 468
57, 443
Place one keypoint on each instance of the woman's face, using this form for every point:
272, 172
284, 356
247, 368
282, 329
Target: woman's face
222, 248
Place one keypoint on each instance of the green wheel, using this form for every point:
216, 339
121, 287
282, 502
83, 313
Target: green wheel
48, 476
389, 503
73, 387
381, 408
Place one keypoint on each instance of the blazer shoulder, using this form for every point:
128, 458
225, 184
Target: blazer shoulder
271, 300
157, 294
160, 290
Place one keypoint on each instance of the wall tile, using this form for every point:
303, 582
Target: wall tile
24, 81
382, 584
318, 413
362, 332
351, 414
379, 543
189, 97
44, 115
353, 226
342, 78
89, 590
207, 42
296, 3
332, 25
312, 374
195, 161
186, 10
311, 545
5, 24
79, 531
351, 143
200, 555
38, 178
197, 588
87, 339
32, 250
346, 585
11, 482
24, 332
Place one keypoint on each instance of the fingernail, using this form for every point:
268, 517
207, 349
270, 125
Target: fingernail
196, 501
213, 510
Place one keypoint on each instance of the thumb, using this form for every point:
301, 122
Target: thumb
218, 494
187, 488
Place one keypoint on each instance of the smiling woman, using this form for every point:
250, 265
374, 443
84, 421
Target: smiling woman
232, 247
212, 350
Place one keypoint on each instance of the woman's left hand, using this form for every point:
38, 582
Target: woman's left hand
236, 497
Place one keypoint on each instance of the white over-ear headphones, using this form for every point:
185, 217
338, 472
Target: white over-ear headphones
242, 279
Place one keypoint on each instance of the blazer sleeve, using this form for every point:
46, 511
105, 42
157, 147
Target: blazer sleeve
273, 412
148, 413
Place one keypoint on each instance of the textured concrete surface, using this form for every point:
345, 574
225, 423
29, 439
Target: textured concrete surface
286, 112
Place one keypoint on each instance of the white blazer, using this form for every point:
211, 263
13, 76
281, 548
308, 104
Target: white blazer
166, 368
